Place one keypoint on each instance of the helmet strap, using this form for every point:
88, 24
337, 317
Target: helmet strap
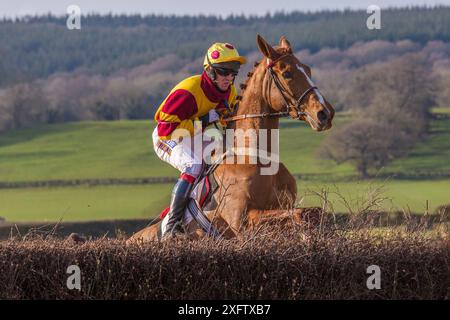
212, 72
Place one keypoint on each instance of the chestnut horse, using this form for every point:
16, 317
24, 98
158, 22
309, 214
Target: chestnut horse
279, 85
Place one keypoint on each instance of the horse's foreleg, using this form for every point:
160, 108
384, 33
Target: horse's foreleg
147, 234
312, 216
255, 217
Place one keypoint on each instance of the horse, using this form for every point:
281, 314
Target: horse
279, 85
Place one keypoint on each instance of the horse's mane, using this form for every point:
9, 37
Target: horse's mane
243, 85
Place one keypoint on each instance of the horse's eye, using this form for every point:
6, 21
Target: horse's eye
287, 75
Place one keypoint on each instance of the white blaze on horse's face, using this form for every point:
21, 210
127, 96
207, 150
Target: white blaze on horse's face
311, 83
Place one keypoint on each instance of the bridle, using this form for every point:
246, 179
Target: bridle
284, 94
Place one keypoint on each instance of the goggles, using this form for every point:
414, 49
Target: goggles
225, 72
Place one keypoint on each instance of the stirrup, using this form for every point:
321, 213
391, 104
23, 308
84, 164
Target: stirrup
174, 232
176, 228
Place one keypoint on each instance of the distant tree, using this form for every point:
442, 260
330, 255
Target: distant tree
391, 105
65, 94
101, 108
443, 92
24, 105
409, 89
366, 144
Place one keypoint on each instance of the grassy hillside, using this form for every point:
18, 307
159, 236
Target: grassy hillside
124, 150
115, 149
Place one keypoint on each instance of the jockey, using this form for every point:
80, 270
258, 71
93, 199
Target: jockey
204, 98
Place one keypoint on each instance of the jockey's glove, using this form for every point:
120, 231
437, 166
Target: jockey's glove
210, 117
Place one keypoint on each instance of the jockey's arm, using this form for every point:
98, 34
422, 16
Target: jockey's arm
176, 117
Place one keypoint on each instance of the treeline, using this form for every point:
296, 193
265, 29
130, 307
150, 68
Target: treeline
37, 47
71, 97
349, 78
181, 21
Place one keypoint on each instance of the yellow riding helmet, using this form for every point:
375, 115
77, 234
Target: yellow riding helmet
222, 52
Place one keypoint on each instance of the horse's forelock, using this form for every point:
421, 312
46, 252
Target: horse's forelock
282, 50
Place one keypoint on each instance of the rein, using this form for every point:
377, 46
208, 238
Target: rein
283, 93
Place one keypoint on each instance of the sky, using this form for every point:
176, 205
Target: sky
223, 8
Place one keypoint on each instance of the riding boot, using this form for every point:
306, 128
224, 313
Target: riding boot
178, 202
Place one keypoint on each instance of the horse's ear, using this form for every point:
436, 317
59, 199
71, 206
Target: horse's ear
266, 49
284, 43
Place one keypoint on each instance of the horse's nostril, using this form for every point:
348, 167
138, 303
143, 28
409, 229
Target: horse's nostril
322, 116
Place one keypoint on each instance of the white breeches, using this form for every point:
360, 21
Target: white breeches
186, 156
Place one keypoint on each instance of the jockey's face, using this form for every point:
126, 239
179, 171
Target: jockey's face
224, 82
224, 76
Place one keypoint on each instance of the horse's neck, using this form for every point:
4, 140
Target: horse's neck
254, 102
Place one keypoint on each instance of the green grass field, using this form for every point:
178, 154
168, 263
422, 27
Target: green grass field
146, 201
83, 203
123, 149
